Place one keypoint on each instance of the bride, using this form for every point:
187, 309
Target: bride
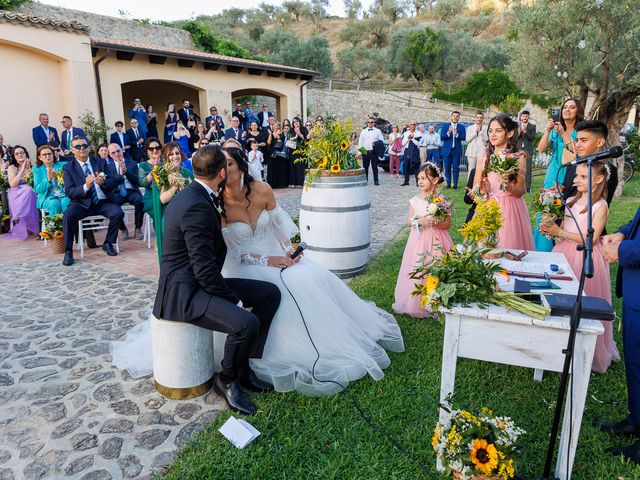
348, 334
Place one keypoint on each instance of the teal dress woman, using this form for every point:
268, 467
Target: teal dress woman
557, 136
153, 149
48, 186
172, 156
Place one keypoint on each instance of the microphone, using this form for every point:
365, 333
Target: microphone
612, 152
298, 250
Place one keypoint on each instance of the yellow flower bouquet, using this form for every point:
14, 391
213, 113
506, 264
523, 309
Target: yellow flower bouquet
59, 177
52, 227
29, 178
477, 446
483, 227
160, 176
329, 150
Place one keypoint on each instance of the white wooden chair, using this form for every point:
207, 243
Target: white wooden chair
43, 213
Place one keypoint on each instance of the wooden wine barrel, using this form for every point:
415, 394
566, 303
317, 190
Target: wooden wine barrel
335, 221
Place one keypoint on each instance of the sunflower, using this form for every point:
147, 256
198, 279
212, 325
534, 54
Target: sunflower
5, 218
323, 163
335, 168
484, 456
45, 235
58, 234
344, 145
60, 178
437, 199
436, 437
557, 202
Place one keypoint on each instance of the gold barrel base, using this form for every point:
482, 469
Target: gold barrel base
184, 393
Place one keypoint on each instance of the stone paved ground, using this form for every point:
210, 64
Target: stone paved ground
66, 412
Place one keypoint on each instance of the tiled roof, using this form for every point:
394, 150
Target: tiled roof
144, 48
19, 18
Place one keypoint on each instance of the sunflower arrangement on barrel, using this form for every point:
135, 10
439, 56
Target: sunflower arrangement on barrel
550, 206
330, 151
505, 164
477, 447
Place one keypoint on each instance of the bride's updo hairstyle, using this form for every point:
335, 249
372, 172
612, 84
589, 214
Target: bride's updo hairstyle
240, 158
208, 161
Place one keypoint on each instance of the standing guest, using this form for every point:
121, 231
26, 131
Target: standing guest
452, 136
86, 185
43, 133
122, 139
261, 136
311, 133
236, 131
411, 140
170, 121
22, 198
102, 152
136, 140
428, 238
145, 177
47, 182
297, 169
152, 122
477, 139
559, 135
213, 119
255, 160
395, 150
139, 114
423, 146
127, 187
68, 132
215, 134
172, 157
181, 136
264, 116
199, 133
516, 231
251, 115
368, 136
187, 115
526, 137
286, 123
623, 248
241, 115
433, 142
469, 197
278, 172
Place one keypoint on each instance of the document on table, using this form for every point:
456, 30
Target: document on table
239, 432
533, 267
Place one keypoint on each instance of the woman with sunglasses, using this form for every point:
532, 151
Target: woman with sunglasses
145, 177
22, 198
47, 182
297, 169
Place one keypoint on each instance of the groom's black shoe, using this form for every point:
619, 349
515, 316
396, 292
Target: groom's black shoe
623, 427
234, 396
632, 452
253, 383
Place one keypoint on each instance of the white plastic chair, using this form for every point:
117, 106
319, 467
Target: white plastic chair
92, 223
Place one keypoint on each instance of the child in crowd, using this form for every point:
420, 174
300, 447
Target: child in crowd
428, 238
255, 160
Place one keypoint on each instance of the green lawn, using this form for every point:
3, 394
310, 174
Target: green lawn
325, 438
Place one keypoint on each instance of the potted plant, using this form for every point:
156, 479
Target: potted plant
476, 446
52, 231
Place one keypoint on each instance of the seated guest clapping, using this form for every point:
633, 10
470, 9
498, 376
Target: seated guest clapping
127, 188
22, 198
86, 184
48, 182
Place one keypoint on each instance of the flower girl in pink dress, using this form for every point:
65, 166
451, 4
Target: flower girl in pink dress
516, 232
568, 238
429, 237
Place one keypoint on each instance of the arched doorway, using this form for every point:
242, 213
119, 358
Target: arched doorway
159, 93
276, 101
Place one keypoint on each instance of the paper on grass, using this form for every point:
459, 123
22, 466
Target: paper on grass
239, 432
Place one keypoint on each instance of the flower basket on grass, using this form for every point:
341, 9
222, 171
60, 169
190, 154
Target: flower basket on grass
52, 232
477, 447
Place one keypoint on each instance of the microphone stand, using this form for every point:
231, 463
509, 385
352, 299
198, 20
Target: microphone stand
574, 323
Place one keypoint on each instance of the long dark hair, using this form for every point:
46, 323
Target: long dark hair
579, 111
243, 165
509, 125
12, 158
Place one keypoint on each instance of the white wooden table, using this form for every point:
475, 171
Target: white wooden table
497, 335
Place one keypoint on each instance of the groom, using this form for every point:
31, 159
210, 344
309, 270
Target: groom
192, 289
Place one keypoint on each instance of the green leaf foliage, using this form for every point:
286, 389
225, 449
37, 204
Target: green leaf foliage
11, 4
287, 48
484, 89
207, 41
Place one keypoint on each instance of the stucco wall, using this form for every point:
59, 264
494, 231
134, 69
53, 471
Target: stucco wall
102, 26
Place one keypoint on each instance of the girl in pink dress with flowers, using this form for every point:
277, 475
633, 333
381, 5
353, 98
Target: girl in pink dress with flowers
516, 232
568, 238
429, 237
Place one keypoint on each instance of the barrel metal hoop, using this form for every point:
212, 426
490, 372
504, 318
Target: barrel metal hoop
338, 249
357, 208
176, 393
330, 180
337, 185
348, 272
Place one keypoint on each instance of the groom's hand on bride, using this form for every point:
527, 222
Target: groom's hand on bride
280, 262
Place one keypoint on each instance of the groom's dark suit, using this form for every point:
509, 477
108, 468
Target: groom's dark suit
192, 289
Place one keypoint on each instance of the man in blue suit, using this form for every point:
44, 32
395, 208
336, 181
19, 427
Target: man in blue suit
139, 113
122, 139
43, 133
136, 139
127, 188
67, 135
236, 131
623, 248
87, 185
452, 136
214, 118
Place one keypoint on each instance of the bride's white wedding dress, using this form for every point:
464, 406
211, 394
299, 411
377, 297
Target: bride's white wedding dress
350, 334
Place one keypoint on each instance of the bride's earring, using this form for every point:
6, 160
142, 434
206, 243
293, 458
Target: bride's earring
242, 181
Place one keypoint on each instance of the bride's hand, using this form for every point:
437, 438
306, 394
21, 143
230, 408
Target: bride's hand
280, 262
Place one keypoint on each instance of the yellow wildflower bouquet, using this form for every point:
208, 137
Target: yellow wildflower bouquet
59, 176
482, 444
329, 149
29, 178
52, 227
483, 227
160, 176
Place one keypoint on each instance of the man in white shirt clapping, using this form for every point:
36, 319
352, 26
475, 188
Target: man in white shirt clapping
369, 135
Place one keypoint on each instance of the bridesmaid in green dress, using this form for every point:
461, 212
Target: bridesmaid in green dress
145, 178
172, 157
47, 182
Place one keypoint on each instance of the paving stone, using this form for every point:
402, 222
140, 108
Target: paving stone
155, 403
5, 380
66, 428
54, 411
59, 390
130, 466
125, 407
5, 456
51, 345
187, 432
144, 387
38, 362
22, 347
97, 475
100, 377
187, 410
164, 459
156, 418
54, 458
109, 392
110, 449
151, 438
29, 451
69, 363
36, 375
117, 425
6, 474
84, 441
79, 465
98, 348
35, 471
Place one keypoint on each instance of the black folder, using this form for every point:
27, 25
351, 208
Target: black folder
595, 308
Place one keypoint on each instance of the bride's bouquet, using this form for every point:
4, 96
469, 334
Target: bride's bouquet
161, 177
505, 164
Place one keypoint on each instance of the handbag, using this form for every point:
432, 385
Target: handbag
291, 143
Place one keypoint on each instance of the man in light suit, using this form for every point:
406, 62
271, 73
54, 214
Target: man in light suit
136, 139
122, 139
452, 136
236, 131
67, 135
526, 137
477, 138
43, 133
